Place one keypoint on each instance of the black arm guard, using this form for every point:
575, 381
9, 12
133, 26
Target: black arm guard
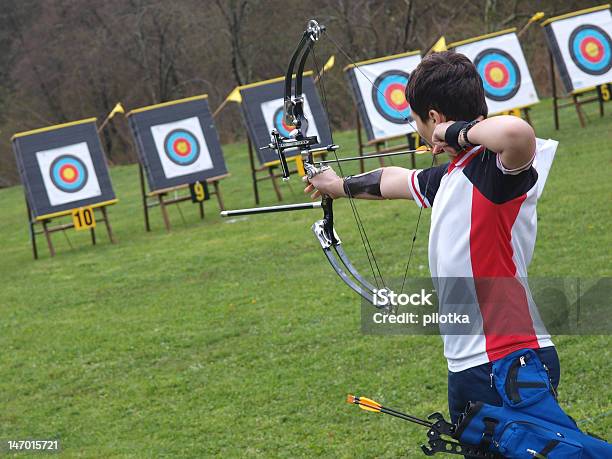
368, 183
451, 137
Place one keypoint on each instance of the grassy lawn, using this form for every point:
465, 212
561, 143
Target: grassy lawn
235, 338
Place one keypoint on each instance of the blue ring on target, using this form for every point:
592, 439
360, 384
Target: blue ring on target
601, 38
59, 168
511, 81
181, 138
383, 84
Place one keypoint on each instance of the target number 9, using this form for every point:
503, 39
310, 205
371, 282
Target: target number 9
604, 90
199, 191
83, 218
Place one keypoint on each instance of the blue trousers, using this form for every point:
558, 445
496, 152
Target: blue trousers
474, 384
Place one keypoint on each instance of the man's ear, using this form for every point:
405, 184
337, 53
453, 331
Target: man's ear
436, 117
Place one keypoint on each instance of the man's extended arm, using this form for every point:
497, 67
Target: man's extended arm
384, 183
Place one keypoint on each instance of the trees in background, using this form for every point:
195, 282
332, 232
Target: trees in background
64, 60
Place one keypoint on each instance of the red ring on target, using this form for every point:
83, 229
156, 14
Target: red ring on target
392, 91
181, 147
491, 68
586, 52
69, 177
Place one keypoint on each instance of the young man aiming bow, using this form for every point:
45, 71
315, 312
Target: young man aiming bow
483, 222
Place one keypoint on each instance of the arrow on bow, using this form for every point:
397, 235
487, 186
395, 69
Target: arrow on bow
324, 228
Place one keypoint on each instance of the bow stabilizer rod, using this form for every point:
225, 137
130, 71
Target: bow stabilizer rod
271, 209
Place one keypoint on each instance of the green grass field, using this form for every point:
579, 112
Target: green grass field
236, 339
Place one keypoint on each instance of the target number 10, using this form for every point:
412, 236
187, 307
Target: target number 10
83, 218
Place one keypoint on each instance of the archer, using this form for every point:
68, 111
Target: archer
483, 222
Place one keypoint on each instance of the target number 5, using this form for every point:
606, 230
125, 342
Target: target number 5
83, 218
605, 92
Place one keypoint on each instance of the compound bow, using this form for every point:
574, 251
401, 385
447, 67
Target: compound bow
324, 228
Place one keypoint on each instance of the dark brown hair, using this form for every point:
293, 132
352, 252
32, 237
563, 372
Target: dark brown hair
449, 83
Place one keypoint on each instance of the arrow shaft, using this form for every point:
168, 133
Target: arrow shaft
406, 417
376, 155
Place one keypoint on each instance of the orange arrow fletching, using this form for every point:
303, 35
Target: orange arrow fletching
369, 405
364, 403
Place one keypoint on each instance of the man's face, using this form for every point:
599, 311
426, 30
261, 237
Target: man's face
424, 127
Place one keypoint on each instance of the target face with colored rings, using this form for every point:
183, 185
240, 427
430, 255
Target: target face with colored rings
591, 49
389, 96
182, 147
281, 125
68, 173
500, 74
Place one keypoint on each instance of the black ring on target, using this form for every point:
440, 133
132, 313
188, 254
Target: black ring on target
68, 173
181, 147
389, 85
590, 48
500, 74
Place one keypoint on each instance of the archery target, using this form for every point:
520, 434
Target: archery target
500, 74
582, 48
281, 125
379, 89
389, 96
591, 49
501, 64
68, 173
273, 113
181, 147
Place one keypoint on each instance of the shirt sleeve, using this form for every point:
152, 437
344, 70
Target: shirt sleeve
497, 185
424, 184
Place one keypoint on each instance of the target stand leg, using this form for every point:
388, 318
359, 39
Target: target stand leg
527, 116
600, 100
272, 175
164, 211
109, 228
145, 203
381, 160
48, 237
32, 229
579, 111
253, 170
217, 192
412, 144
33, 240
553, 81
93, 236
360, 143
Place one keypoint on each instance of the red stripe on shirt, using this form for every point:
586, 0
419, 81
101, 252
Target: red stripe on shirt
416, 191
507, 322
